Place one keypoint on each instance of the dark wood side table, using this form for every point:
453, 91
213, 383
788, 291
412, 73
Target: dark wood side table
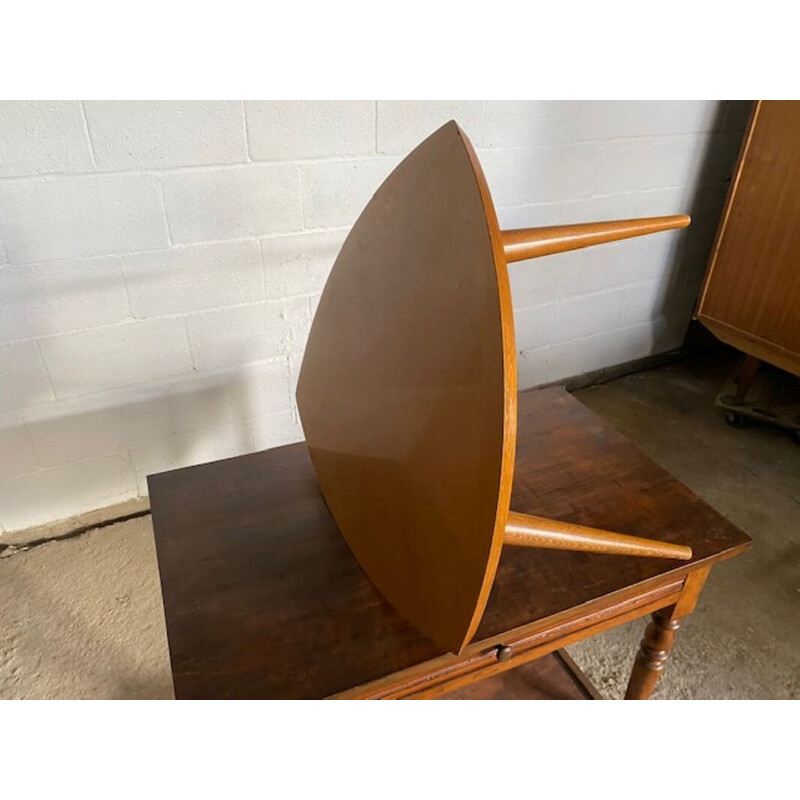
263, 598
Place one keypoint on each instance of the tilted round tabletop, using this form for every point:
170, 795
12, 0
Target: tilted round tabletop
407, 391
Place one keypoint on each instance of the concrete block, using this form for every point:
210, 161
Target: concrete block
34, 498
16, 452
335, 192
543, 174
522, 123
672, 200
275, 430
73, 217
572, 358
530, 215
294, 129
39, 137
23, 379
615, 347
98, 425
548, 279
703, 158
193, 278
630, 166
534, 326
240, 334
233, 202
295, 362
629, 343
313, 304
403, 124
619, 264
600, 207
643, 302
117, 356
578, 317
689, 116
155, 134
226, 398
568, 359
299, 264
650, 338
615, 119
39, 300
184, 450
569, 318
532, 368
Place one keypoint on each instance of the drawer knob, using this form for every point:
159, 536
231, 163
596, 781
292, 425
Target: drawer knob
503, 652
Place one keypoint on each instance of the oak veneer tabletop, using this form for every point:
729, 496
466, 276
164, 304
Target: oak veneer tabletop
263, 598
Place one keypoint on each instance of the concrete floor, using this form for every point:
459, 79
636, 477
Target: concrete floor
82, 618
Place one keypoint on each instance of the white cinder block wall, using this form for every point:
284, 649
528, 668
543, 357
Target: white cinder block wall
160, 262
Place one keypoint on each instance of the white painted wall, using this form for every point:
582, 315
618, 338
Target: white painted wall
160, 262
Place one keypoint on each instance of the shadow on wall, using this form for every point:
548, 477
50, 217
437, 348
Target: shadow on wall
138, 363
579, 312
100, 451
692, 249
112, 407
132, 364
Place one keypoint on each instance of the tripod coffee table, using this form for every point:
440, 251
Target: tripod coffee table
264, 599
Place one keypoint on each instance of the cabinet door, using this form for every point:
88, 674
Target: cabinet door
751, 294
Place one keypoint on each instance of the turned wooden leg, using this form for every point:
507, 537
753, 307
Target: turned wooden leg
659, 637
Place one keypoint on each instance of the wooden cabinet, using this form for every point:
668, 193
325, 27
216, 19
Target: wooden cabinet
751, 293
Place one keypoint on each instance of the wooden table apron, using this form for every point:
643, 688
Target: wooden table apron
263, 599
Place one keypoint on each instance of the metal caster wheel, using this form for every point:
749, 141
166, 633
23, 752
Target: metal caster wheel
735, 420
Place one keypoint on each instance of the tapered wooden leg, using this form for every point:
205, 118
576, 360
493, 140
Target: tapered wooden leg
532, 242
529, 531
659, 638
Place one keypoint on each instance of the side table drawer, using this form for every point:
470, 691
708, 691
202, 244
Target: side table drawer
515, 648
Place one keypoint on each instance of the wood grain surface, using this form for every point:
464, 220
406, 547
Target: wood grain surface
527, 530
407, 390
408, 386
553, 677
751, 293
525, 243
263, 598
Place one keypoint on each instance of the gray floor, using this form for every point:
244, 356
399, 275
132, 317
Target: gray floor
82, 617
743, 640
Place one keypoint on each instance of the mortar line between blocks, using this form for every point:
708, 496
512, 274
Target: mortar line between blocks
295, 232
44, 367
176, 170
189, 344
375, 127
248, 154
164, 214
133, 320
88, 132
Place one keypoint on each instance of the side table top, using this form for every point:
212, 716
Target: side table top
263, 598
